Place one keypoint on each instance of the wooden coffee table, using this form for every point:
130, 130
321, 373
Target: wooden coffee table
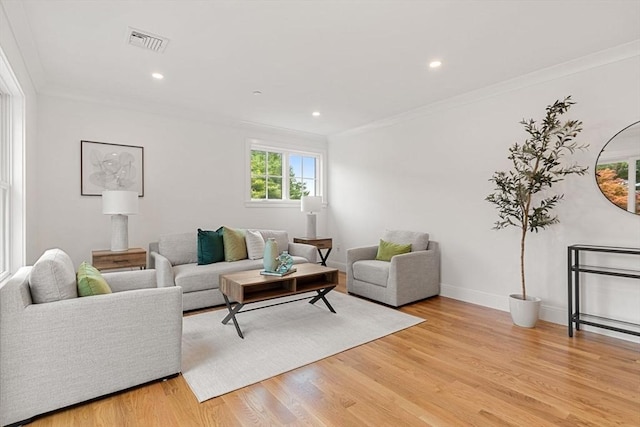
250, 286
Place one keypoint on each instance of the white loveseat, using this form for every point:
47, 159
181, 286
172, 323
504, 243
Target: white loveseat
175, 256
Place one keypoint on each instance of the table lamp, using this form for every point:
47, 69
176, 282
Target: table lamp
311, 205
119, 204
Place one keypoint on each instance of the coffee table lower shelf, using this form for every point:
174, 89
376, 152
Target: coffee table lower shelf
250, 286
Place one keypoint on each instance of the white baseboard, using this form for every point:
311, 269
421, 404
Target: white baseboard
548, 313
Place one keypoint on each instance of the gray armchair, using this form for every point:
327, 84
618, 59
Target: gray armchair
58, 349
406, 278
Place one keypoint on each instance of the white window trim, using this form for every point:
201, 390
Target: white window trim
13, 137
270, 145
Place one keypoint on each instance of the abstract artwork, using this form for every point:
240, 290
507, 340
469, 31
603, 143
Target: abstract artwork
107, 166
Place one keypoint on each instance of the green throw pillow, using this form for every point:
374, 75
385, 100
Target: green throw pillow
386, 250
91, 282
210, 246
235, 246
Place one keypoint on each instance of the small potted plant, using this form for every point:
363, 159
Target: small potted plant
522, 194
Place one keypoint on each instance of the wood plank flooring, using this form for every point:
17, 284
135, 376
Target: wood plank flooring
466, 365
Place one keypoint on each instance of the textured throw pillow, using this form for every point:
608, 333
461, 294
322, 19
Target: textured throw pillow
210, 246
235, 247
91, 282
53, 278
255, 244
387, 250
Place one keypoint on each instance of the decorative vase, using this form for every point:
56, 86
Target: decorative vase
524, 313
270, 257
285, 262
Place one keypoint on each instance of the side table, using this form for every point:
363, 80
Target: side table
320, 243
131, 258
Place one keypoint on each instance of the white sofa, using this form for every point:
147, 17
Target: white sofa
175, 256
58, 349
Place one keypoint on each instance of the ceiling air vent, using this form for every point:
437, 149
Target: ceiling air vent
146, 40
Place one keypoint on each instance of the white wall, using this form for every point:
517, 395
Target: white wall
430, 170
194, 177
24, 199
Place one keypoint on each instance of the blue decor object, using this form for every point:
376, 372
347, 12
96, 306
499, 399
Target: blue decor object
285, 262
270, 256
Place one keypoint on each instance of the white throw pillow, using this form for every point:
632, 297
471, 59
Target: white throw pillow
255, 244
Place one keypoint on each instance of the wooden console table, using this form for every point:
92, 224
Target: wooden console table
319, 243
574, 268
250, 286
131, 258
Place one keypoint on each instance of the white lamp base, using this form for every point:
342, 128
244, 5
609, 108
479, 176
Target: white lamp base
119, 233
311, 225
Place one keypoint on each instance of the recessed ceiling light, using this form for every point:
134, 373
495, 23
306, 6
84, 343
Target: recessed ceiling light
157, 76
435, 64
257, 92
316, 114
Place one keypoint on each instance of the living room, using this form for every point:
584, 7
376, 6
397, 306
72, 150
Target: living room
422, 166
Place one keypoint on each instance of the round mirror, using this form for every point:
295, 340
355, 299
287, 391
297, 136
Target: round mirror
618, 169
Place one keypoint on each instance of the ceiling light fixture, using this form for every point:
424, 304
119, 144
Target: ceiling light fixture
257, 92
435, 64
316, 114
157, 76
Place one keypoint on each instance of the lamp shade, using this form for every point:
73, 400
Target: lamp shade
119, 202
311, 204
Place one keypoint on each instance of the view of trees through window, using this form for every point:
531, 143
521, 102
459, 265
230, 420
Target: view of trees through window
613, 181
282, 176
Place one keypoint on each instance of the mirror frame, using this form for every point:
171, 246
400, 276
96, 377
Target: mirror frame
637, 159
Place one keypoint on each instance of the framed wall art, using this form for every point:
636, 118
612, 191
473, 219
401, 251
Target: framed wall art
105, 166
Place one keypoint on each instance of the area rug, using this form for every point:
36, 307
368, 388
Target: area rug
215, 360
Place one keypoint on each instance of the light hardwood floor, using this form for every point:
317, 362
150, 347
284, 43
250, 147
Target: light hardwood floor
466, 365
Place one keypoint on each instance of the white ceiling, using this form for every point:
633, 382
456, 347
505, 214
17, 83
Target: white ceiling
354, 61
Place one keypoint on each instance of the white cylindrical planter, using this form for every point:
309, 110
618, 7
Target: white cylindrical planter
524, 313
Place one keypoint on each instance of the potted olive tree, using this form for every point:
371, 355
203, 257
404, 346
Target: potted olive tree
522, 194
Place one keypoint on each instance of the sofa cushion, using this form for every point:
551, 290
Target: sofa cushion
179, 248
418, 240
387, 250
210, 246
53, 277
255, 244
193, 277
235, 246
90, 281
372, 271
281, 237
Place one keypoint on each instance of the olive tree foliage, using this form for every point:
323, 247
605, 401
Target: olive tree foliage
521, 194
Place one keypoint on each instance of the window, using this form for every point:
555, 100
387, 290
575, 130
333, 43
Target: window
12, 123
5, 187
280, 174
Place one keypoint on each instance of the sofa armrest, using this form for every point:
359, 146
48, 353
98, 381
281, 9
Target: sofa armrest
358, 254
120, 281
304, 250
420, 267
164, 270
361, 253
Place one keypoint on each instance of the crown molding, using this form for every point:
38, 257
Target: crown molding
594, 60
21, 29
177, 112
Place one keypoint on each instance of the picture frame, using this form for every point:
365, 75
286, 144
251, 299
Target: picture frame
106, 166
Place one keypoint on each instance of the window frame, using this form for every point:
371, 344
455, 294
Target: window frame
12, 146
286, 150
